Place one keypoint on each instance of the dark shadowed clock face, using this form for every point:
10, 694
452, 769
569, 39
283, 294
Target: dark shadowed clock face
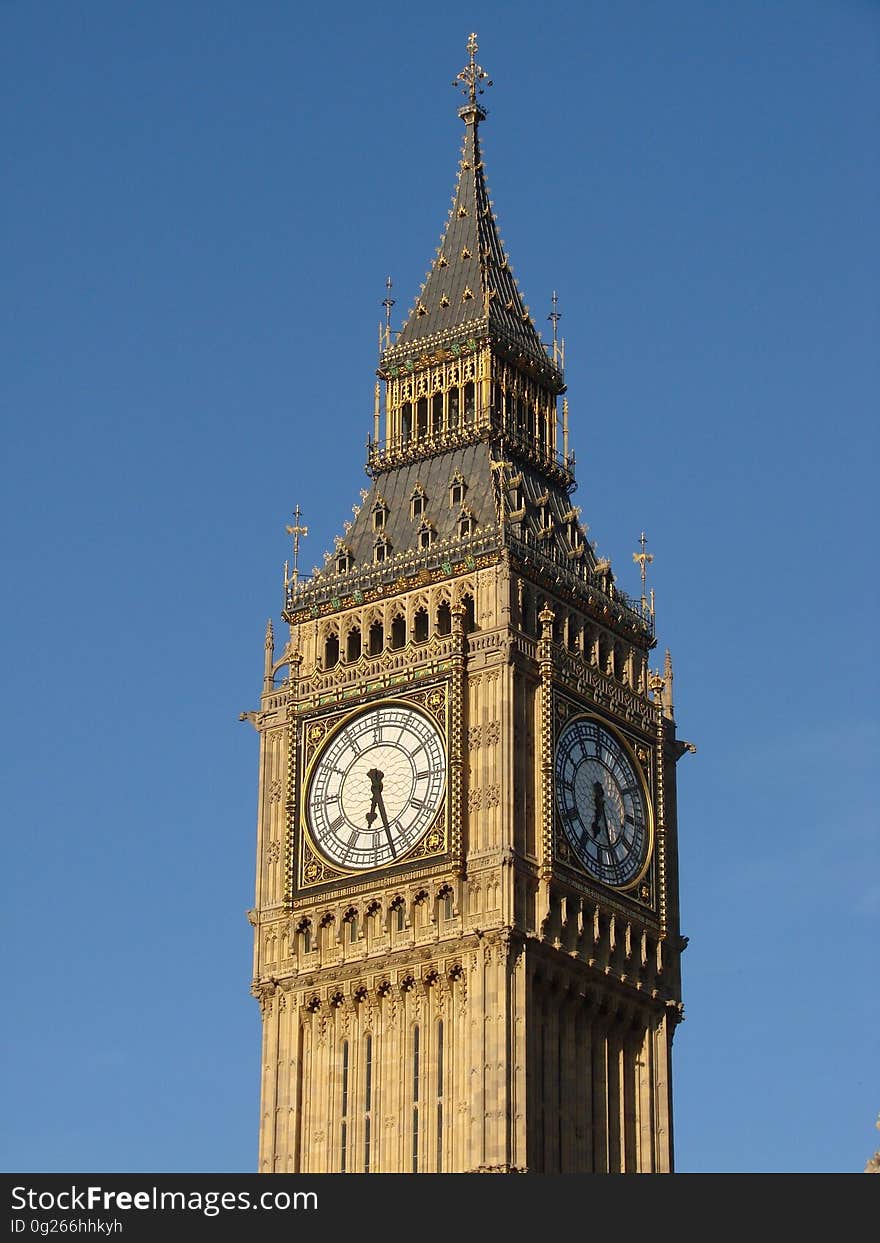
601, 803
376, 787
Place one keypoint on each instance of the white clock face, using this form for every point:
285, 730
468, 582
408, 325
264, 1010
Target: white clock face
376, 787
601, 803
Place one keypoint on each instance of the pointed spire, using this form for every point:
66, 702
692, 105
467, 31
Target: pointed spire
668, 705
470, 288
268, 656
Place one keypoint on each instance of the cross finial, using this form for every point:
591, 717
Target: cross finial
296, 531
388, 303
555, 316
471, 78
643, 560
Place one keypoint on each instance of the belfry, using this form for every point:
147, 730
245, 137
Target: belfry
466, 928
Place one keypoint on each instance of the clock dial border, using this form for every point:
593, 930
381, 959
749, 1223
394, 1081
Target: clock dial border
313, 869
641, 886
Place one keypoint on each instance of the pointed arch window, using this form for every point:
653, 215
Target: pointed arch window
444, 618
343, 1145
368, 1101
353, 644
380, 514
420, 626
416, 1075
398, 632
417, 502
440, 1091
376, 638
457, 489
331, 651
304, 931
469, 402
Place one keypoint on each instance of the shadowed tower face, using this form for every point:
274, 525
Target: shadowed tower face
466, 941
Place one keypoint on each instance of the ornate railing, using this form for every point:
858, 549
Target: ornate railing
579, 576
487, 425
448, 555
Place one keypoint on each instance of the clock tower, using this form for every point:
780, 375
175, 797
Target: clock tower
466, 934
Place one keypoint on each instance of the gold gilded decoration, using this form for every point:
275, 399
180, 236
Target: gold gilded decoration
367, 957
312, 869
471, 78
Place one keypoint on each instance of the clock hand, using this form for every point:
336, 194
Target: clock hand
599, 808
376, 782
387, 827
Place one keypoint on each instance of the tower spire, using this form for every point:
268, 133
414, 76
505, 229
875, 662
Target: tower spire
470, 291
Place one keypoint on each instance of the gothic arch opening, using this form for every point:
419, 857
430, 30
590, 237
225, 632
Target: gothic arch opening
376, 638
470, 615
331, 651
353, 644
398, 632
444, 618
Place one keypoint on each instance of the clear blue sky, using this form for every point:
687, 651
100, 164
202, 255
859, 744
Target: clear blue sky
201, 203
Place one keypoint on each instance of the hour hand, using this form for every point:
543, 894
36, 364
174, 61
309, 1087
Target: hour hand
376, 783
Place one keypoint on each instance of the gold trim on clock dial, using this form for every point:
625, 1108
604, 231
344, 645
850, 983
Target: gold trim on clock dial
376, 787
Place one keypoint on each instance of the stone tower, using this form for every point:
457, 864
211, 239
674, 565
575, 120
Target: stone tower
466, 933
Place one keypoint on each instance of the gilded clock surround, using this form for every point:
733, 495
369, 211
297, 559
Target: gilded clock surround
313, 869
482, 1004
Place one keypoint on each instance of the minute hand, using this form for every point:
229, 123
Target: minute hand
384, 818
375, 776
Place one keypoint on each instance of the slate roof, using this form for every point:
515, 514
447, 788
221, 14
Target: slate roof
394, 488
470, 284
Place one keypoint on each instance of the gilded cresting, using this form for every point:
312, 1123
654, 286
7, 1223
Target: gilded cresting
499, 992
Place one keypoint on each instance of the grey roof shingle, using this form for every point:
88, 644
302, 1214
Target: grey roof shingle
470, 283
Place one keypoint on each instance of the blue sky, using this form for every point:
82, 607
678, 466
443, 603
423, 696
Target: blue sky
201, 204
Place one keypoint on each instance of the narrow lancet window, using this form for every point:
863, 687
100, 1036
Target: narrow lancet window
343, 1149
415, 1099
440, 1096
368, 1100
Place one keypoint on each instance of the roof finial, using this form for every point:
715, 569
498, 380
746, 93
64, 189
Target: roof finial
290, 579
388, 303
470, 80
555, 316
643, 560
